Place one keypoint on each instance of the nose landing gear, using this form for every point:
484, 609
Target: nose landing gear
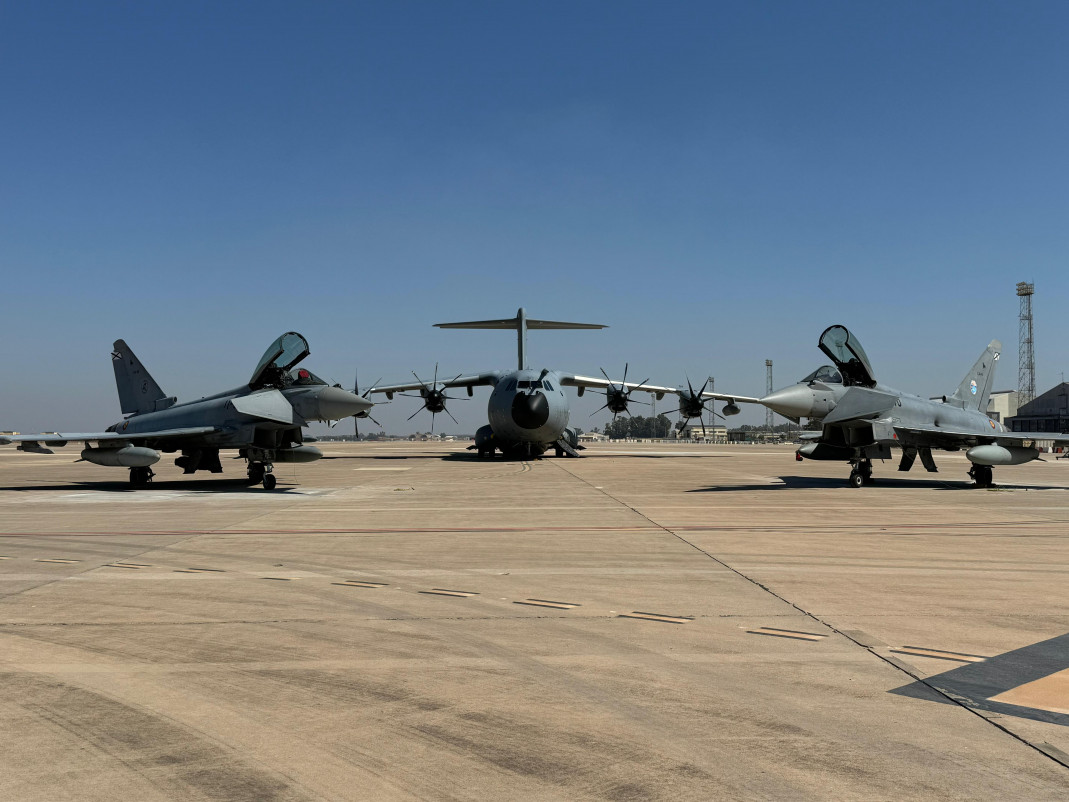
861, 473
261, 472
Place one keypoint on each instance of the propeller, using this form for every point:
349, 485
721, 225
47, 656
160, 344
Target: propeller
434, 398
364, 413
692, 405
618, 396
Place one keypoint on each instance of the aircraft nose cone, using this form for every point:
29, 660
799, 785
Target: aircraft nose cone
335, 403
530, 411
795, 401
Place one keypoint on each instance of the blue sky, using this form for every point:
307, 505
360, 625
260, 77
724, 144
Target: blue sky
718, 182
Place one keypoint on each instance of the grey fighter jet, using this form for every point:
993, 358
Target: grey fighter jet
261, 419
863, 420
528, 410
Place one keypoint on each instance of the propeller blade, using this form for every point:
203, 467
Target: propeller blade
625, 374
422, 383
606, 375
435, 374
373, 421
450, 414
410, 417
596, 411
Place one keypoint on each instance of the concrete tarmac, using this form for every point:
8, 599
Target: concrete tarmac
405, 621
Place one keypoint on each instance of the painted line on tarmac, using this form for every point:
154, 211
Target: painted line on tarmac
355, 583
446, 592
64, 562
794, 634
547, 603
664, 619
939, 654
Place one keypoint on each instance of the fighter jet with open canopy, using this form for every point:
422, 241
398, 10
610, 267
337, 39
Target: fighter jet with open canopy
261, 419
863, 420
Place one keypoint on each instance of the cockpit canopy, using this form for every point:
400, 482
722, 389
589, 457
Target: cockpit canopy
848, 355
280, 356
825, 374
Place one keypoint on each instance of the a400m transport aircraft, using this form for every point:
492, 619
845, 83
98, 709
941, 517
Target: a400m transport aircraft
262, 419
528, 410
863, 420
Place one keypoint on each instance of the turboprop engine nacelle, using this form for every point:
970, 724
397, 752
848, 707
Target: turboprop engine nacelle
125, 457
731, 409
1001, 455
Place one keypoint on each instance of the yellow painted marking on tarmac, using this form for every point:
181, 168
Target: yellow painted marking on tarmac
354, 583
65, 562
1049, 693
445, 592
786, 633
547, 603
938, 654
666, 619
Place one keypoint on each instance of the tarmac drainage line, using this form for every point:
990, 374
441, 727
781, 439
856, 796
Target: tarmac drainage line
354, 583
443, 592
665, 619
1053, 754
279, 578
547, 603
199, 571
126, 565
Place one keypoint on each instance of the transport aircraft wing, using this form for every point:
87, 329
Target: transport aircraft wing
468, 381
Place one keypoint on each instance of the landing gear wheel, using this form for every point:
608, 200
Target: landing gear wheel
256, 473
982, 475
139, 477
856, 478
269, 481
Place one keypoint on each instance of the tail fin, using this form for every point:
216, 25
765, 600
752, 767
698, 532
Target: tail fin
138, 391
521, 323
975, 388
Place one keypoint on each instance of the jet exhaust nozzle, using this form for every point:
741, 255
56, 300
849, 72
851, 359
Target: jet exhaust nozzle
126, 457
1001, 455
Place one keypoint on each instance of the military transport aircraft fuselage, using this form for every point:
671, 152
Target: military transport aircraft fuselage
262, 419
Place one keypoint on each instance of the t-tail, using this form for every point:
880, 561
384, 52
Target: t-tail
975, 388
138, 391
520, 324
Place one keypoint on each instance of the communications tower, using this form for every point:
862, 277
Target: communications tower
768, 410
1026, 359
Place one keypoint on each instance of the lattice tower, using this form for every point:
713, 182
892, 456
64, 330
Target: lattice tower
768, 412
1026, 359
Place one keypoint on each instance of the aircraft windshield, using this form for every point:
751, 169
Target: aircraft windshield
303, 376
826, 374
848, 355
280, 356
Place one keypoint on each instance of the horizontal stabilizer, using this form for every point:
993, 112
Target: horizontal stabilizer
513, 324
860, 403
268, 404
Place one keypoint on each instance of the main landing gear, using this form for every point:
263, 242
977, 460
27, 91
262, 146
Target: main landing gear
982, 475
139, 477
261, 472
861, 473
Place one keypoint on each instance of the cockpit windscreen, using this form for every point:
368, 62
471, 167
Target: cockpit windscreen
825, 374
280, 356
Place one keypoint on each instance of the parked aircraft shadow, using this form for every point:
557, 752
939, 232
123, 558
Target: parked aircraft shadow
811, 482
203, 486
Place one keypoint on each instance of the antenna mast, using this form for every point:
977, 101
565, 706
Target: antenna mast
1026, 359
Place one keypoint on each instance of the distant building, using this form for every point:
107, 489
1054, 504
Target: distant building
593, 437
714, 432
1002, 405
1045, 413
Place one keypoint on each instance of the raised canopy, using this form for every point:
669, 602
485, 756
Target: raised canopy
280, 356
848, 355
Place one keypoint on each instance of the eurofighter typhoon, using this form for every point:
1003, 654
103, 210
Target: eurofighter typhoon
261, 419
863, 420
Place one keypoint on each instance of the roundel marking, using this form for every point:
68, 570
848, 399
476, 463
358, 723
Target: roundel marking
972, 387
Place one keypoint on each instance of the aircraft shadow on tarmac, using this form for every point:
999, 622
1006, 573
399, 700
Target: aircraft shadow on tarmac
202, 486
813, 482
992, 685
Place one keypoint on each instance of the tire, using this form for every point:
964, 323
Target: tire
856, 479
269, 481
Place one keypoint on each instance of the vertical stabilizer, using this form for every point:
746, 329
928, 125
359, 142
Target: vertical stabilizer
975, 389
138, 391
521, 323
